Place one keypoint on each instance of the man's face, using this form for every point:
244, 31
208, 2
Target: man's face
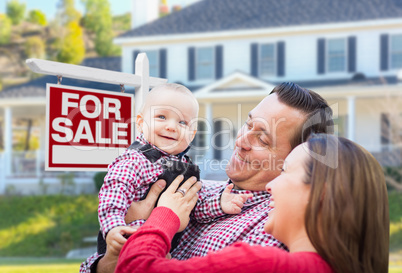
263, 143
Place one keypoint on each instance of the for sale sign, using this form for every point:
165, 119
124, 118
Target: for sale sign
86, 129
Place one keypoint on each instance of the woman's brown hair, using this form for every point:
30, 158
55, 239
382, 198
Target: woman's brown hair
347, 218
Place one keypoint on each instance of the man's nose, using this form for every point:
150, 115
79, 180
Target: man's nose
243, 141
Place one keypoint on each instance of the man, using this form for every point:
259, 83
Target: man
274, 127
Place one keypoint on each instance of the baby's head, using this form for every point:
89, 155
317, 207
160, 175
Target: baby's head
168, 117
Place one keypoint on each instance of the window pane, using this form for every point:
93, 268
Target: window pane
205, 64
153, 63
336, 55
267, 59
396, 51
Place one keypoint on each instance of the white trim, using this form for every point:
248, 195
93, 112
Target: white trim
298, 30
207, 91
89, 73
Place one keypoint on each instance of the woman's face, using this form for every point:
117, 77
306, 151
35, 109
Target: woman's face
289, 197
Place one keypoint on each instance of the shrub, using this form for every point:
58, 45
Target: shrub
98, 179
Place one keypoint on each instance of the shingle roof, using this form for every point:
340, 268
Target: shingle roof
221, 15
37, 87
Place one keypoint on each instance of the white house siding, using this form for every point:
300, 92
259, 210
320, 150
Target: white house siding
300, 51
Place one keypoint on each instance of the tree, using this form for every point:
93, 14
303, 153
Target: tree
16, 11
35, 47
98, 19
71, 46
37, 17
68, 13
5, 29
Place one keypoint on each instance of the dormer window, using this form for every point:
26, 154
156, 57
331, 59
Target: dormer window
396, 51
267, 60
153, 62
336, 55
205, 63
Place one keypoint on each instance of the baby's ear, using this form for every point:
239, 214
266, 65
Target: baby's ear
192, 134
139, 122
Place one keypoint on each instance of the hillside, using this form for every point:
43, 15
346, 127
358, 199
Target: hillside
13, 55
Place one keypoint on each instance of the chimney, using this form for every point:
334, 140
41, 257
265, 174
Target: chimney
144, 11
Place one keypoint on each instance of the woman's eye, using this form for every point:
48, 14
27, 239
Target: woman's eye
161, 117
248, 125
183, 122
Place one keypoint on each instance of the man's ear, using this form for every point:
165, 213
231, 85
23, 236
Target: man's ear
140, 122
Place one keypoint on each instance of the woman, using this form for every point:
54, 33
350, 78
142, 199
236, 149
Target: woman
330, 209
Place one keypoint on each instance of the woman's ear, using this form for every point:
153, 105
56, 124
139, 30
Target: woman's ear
140, 122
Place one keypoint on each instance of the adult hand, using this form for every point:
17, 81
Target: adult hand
181, 204
142, 209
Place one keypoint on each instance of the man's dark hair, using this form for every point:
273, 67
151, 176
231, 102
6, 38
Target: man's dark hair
318, 113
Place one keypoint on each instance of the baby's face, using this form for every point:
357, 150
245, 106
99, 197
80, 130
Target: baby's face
169, 122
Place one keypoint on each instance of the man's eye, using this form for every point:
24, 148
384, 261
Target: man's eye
249, 126
161, 117
183, 122
263, 142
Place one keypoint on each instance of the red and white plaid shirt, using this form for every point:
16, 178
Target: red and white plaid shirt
129, 177
210, 229
247, 226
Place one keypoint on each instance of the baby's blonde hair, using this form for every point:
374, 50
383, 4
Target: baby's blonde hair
173, 87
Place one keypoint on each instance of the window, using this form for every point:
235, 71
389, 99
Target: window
153, 62
396, 51
336, 55
267, 60
205, 63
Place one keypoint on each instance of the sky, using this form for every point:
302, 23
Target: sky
49, 7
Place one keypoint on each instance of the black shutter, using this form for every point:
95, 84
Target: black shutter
321, 56
384, 54
280, 59
191, 63
218, 141
352, 54
254, 60
162, 63
135, 54
218, 61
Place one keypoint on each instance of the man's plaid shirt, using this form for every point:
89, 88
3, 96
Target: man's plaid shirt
248, 226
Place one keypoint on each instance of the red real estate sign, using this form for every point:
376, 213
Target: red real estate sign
86, 129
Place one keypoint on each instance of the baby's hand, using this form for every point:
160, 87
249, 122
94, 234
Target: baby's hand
233, 203
116, 238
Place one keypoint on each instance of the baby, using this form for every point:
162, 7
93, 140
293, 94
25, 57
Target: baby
167, 124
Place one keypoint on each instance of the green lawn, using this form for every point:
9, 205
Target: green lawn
38, 265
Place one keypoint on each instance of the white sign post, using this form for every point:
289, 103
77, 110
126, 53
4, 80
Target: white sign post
88, 128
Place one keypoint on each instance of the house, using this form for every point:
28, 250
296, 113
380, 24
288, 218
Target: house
231, 53
23, 115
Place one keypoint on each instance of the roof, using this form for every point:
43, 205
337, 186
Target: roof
224, 15
37, 87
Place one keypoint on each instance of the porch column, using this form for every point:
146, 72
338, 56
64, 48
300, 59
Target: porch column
351, 117
8, 140
210, 125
